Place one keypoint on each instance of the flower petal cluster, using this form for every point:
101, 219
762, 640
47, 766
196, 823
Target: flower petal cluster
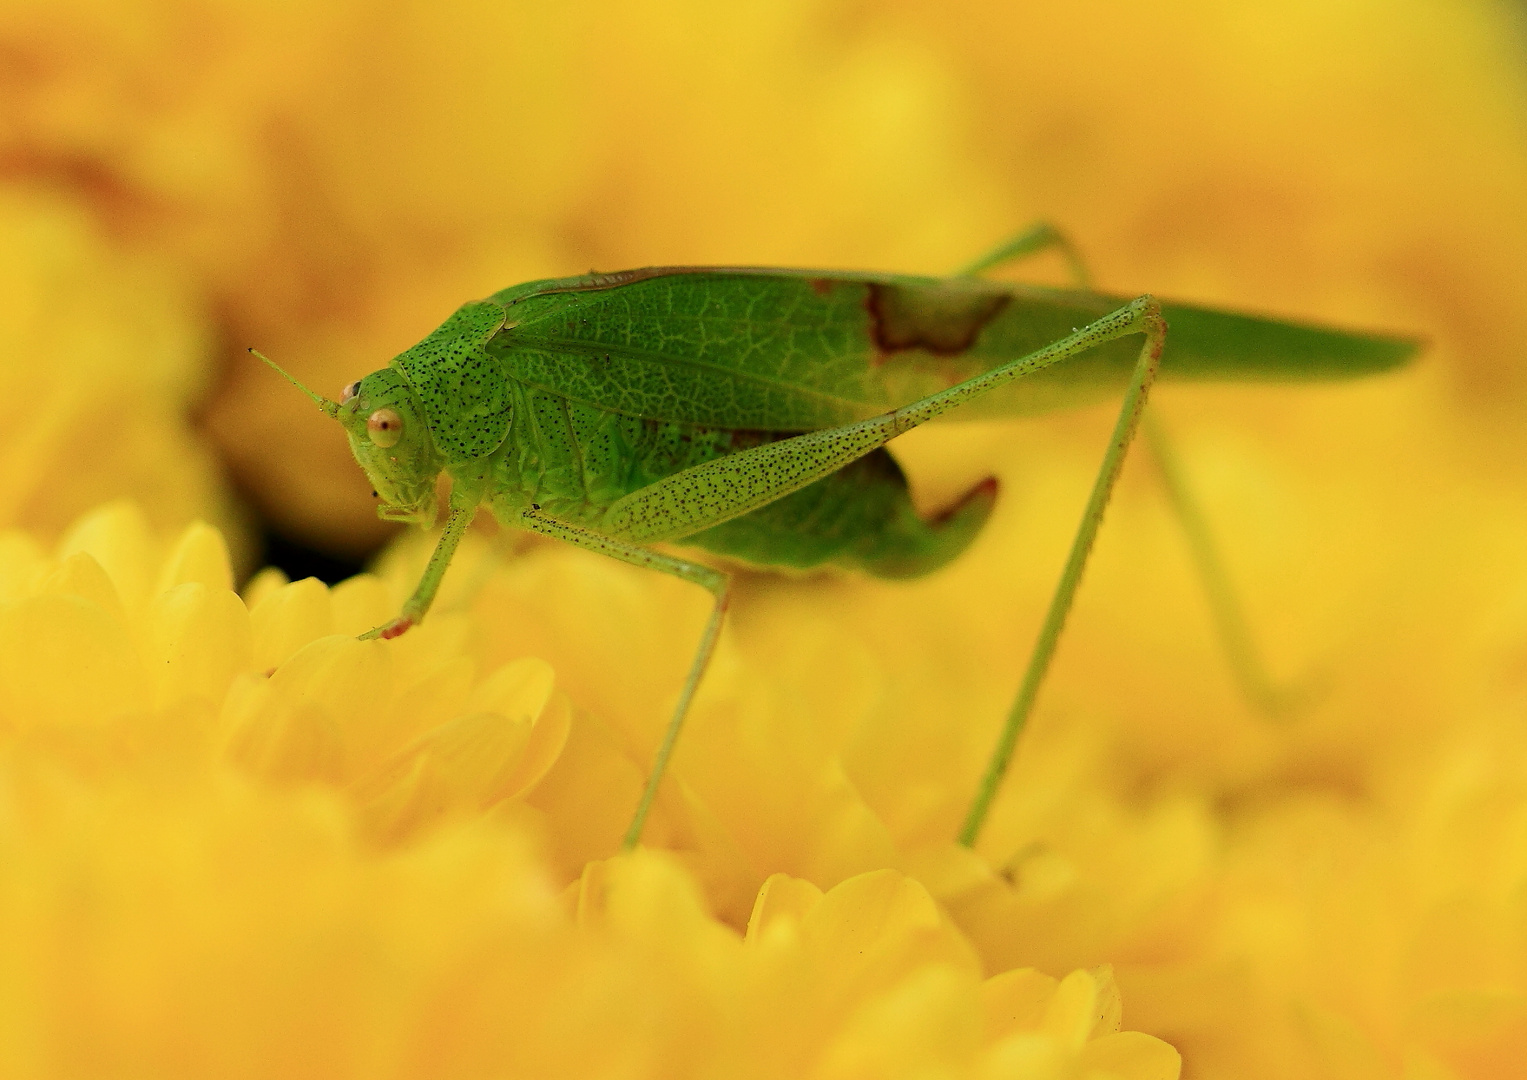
102, 353
238, 840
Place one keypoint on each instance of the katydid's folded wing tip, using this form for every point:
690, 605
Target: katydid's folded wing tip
1208, 344
1393, 351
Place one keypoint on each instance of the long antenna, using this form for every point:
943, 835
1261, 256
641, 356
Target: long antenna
330, 407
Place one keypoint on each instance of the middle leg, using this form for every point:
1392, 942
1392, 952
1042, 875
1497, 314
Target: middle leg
717, 583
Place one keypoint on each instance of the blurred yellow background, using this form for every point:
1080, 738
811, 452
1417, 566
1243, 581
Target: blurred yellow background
327, 181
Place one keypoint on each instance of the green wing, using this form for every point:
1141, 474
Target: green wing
798, 350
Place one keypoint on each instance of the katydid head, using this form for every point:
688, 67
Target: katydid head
391, 440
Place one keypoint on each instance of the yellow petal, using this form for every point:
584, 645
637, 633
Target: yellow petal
1016, 1001
1077, 1008
1130, 1055
21, 560
783, 902
66, 663
80, 575
287, 618
116, 536
923, 1025
196, 639
199, 555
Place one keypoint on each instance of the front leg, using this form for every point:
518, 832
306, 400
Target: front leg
434, 572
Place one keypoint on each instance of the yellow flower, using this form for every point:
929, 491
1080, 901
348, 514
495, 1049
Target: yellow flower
102, 352
238, 839
876, 952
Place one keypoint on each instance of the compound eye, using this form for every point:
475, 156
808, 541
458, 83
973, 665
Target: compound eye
385, 428
349, 392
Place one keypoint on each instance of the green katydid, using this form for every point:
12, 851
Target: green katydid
744, 411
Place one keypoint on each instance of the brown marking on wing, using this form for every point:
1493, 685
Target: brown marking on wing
945, 322
822, 286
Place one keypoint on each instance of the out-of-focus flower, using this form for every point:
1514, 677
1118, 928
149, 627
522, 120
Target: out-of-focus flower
109, 646
102, 354
1152, 820
236, 839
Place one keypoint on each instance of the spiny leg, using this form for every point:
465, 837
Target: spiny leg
723, 488
1226, 609
434, 572
730, 486
719, 585
1065, 592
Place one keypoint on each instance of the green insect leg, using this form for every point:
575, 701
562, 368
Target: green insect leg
727, 487
1224, 605
1040, 237
723, 488
714, 581
1229, 615
1070, 578
434, 572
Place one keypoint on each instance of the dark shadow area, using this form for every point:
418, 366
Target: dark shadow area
299, 561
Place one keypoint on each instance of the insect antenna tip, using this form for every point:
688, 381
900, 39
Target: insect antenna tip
329, 407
